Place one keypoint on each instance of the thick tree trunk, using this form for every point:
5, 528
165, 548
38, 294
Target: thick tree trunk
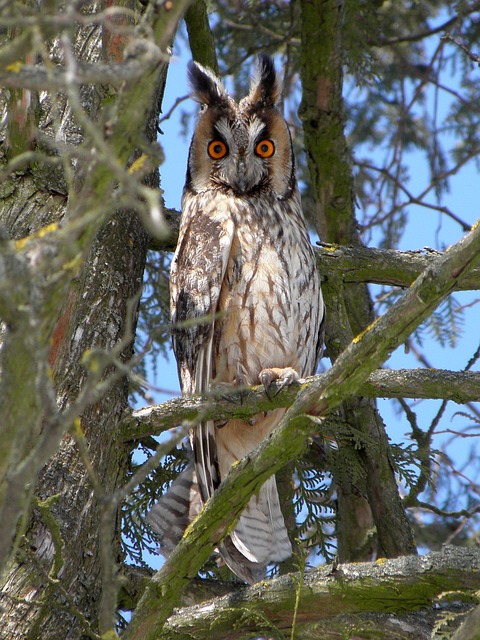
61, 578
69, 551
367, 495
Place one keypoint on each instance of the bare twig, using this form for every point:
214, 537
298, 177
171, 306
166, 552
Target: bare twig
473, 56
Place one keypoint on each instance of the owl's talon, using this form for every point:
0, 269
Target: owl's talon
286, 377
266, 377
267, 393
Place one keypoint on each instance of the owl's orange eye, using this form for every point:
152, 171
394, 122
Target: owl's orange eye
265, 149
217, 149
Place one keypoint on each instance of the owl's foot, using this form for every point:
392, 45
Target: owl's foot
285, 376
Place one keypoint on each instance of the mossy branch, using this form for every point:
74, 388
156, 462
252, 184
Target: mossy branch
287, 442
329, 598
458, 386
200, 36
382, 266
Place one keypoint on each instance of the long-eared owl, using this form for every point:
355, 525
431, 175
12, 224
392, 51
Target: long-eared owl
245, 299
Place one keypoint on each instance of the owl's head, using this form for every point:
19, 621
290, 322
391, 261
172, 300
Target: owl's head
241, 148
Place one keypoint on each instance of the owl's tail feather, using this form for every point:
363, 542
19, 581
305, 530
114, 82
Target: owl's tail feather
260, 536
172, 514
247, 571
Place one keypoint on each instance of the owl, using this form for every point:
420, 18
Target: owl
246, 302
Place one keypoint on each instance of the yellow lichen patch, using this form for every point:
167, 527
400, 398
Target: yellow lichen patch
186, 533
139, 164
14, 67
91, 360
109, 635
380, 561
72, 265
366, 330
49, 228
77, 427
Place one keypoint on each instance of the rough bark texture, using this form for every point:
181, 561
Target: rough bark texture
393, 599
76, 312
69, 549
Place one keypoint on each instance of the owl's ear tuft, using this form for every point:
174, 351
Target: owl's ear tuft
206, 87
266, 85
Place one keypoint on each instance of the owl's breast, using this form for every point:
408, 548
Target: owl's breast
265, 307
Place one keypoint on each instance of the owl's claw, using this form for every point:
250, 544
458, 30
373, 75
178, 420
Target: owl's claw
286, 377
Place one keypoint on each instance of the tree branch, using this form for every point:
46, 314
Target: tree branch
37, 78
134, 580
474, 57
461, 387
200, 36
382, 266
390, 588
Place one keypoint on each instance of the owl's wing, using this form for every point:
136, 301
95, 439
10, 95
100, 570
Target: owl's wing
197, 274
320, 338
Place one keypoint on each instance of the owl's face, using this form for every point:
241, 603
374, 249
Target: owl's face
242, 148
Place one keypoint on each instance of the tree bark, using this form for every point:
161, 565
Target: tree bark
83, 260
391, 599
359, 264
367, 494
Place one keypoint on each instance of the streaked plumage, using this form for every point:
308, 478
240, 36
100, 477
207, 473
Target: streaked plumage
244, 268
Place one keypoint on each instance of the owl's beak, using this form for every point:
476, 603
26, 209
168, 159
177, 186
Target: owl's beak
241, 180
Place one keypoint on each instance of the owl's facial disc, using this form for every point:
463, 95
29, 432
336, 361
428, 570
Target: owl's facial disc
240, 154
243, 148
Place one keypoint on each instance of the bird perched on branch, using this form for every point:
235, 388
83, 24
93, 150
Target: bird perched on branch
245, 299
